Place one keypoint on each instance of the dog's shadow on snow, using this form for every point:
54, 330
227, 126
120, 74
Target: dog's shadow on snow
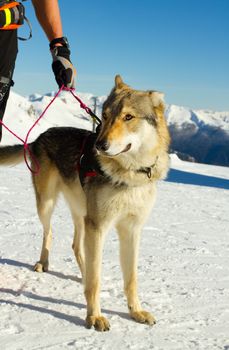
188, 178
30, 267
72, 319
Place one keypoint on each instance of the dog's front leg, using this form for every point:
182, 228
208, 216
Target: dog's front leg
129, 231
94, 238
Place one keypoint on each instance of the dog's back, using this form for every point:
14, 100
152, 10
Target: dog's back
60, 146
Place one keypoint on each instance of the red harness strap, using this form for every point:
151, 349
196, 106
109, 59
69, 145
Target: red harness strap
91, 174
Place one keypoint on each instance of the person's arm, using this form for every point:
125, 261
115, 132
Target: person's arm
48, 15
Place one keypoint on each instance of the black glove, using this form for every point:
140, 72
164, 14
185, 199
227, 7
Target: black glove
62, 67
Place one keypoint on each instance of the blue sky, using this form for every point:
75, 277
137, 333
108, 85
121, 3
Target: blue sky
180, 47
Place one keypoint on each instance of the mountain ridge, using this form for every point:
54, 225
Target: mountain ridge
197, 135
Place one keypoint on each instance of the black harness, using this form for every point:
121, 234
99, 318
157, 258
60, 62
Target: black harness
88, 165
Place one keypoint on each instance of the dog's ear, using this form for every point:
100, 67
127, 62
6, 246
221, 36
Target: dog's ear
119, 84
157, 98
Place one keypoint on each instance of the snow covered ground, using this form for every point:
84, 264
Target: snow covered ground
183, 269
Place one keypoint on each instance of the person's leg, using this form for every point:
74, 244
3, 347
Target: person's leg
4, 94
8, 49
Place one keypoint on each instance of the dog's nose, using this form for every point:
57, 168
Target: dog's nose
102, 145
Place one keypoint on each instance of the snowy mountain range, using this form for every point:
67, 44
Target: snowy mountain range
197, 135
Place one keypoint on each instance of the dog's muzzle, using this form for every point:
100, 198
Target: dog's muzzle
102, 145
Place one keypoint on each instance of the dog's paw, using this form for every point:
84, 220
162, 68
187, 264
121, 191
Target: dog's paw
143, 317
100, 323
41, 267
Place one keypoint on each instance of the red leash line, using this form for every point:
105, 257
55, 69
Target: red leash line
25, 142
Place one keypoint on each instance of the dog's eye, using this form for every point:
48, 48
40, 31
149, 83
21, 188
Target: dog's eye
128, 117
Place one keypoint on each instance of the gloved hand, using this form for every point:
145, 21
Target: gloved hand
62, 67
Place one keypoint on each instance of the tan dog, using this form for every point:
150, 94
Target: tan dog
131, 152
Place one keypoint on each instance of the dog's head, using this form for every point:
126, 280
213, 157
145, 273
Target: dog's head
131, 120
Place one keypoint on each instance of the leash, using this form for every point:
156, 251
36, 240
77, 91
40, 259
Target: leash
27, 150
83, 106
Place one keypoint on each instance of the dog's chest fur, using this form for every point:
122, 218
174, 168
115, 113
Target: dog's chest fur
121, 201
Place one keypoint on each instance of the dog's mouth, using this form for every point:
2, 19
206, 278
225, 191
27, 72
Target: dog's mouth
127, 148
106, 153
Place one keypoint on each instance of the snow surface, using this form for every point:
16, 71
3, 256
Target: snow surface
183, 263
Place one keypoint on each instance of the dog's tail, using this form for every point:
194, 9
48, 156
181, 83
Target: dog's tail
11, 155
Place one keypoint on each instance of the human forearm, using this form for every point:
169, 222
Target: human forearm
48, 15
